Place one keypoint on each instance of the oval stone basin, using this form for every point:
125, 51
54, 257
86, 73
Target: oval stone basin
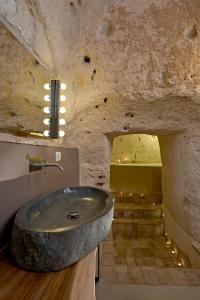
58, 229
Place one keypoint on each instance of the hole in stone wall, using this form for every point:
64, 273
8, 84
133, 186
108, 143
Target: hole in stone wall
126, 128
94, 72
99, 183
129, 114
193, 32
86, 59
12, 113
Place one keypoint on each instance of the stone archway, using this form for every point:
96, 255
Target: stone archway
175, 122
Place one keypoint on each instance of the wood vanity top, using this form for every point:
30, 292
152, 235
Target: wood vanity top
76, 282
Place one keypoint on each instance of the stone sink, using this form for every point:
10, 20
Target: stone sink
58, 229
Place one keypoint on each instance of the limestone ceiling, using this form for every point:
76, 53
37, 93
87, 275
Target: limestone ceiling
140, 50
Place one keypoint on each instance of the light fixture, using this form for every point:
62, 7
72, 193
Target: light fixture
62, 98
47, 98
46, 121
61, 121
46, 133
63, 86
62, 110
46, 110
61, 133
54, 110
47, 86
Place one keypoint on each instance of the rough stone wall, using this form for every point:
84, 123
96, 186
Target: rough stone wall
21, 87
136, 148
132, 67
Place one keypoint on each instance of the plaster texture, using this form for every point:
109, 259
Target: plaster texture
142, 76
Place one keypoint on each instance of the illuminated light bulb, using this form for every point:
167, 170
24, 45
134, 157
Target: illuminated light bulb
61, 133
173, 252
153, 203
142, 195
168, 242
46, 110
47, 98
46, 133
62, 98
63, 86
61, 122
179, 264
165, 233
47, 86
62, 110
46, 121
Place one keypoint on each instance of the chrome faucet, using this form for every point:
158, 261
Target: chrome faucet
37, 163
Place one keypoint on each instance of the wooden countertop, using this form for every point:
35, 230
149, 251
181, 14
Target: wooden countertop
76, 282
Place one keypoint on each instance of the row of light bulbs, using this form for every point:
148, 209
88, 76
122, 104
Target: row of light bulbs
47, 109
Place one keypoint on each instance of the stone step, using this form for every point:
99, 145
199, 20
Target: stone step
137, 227
139, 275
138, 199
130, 210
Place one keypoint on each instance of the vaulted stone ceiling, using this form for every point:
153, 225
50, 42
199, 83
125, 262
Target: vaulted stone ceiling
139, 51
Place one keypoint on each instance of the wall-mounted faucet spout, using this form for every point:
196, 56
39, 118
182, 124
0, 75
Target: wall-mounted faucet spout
37, 164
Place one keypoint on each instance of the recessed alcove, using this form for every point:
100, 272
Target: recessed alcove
146, 230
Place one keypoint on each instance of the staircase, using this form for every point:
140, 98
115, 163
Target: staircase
138, 216
138, 251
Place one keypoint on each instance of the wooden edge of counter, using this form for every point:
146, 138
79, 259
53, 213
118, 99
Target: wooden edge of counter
76, 282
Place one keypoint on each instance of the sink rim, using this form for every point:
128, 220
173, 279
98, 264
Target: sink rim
20, 218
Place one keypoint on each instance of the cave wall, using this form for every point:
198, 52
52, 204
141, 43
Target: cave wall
136, 148
21, 87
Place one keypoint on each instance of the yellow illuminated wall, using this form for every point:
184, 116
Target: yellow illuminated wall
136, 148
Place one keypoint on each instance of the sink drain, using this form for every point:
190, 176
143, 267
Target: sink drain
73, 215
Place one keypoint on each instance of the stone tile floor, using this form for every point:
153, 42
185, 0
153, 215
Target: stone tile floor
145, 261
